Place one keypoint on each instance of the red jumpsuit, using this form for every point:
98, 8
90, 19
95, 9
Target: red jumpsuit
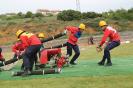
1, 56
111, 33
46, 53
29, 39
72, 35
17, 48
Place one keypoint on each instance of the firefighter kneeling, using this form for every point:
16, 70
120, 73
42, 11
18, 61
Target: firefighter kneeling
47, 55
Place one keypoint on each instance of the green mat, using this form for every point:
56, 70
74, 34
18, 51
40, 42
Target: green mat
121, 66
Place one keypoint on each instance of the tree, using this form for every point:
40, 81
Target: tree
130, 10
69, 15
20, 15
90, 15
28, 14
39, 15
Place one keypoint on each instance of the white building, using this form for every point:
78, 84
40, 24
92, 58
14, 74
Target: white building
47, 12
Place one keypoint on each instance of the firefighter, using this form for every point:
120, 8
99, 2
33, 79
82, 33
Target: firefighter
114, 41
18, 50
74, 33
41, 36
32, 45
1, 56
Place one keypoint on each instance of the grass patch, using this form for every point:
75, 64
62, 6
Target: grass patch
121, 81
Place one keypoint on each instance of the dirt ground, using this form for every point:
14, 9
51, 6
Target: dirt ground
83, 41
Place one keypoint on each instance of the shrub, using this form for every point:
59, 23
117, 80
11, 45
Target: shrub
69, 15
39, 15
90, 15
28, 14
20, 15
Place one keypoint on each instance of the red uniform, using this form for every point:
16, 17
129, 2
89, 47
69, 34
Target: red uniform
46, 53
17, 47
29, 39
72, 38
111, 33
1, 56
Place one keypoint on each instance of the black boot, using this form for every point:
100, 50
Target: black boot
73, 63
36, 67
108, 64
27, 72
100, 63
22, 67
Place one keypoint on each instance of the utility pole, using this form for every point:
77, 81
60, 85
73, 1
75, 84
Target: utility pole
77, 5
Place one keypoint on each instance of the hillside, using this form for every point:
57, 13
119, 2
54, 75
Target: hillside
50, 26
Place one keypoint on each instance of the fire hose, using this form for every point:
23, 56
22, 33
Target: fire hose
52, 37
44, 40
41, 72
8, 62
57, 46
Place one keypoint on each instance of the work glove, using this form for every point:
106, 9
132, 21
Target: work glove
65, 31
22, 52
17, 53
98, 48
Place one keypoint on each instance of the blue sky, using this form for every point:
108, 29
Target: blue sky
8, 6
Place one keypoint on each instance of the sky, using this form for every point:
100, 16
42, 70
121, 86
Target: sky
9, 6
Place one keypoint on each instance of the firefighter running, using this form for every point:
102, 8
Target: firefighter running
74, 33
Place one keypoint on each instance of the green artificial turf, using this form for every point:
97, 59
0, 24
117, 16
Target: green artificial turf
86, 74
121, 66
